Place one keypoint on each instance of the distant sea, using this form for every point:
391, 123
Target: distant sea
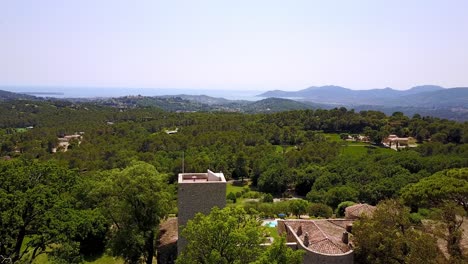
95, 92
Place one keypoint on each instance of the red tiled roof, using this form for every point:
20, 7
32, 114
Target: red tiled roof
324, 235
357, 210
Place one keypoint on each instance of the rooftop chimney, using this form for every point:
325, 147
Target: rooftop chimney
345, 237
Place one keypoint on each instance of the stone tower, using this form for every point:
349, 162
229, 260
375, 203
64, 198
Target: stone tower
198, 193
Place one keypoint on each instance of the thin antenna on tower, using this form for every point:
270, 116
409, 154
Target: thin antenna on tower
183, 161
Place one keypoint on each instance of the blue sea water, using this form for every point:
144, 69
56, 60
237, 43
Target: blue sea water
93, 92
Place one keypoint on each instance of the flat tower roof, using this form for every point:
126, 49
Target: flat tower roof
209, 176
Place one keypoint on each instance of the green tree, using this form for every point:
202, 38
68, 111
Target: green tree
135, 199
344, 136
226, 235
298, 207
304, 179
375, 135
241, 170
449, 185
267, 198
274, 179
231, 196
450, 218
336, 195
340, 209
448, 191
36, 201
389, 237
439, 137
230, 235
319, 210
279, 253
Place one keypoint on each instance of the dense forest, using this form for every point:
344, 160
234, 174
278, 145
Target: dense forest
74, 204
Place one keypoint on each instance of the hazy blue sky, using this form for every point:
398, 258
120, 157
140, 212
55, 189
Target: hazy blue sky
239, 44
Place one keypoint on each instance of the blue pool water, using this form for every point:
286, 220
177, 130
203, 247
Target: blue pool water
272, 223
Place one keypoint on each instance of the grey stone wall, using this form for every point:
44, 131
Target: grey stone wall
311, 257
196, 198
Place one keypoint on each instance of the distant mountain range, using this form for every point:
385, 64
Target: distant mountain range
428, 100
5, 95
427, 96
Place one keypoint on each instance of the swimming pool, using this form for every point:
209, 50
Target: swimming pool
270, 223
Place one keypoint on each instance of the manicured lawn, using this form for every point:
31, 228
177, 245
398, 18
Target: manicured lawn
356, 143
251, 194
104, 259
235, 189
232, 188
333, 137
273, 232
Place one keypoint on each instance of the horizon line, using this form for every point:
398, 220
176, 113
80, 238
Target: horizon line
205, 89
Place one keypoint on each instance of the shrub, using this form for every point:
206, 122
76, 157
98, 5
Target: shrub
320, 210
267, 198
251, 206
338, 194
424, 212
298, 207
315, 196
252, 195
266, 209
340, 210
416, 218
231, 196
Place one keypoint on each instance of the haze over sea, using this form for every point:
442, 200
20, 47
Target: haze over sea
93, 92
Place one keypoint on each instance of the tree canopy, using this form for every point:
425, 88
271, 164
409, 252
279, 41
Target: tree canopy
449, 185
135, 199
83, 193
230, 235
388, 237
36, 201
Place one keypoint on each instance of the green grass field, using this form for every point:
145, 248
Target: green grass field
234, 189
333, 137
273, 232
356, 143
104, 259
251, 194
353, 148
101, 259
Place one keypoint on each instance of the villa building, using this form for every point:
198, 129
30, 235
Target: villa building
395, 142
324, 241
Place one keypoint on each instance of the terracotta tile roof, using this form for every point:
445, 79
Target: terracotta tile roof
168, 232
357, 210
328, 246
341, 222
324, 235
